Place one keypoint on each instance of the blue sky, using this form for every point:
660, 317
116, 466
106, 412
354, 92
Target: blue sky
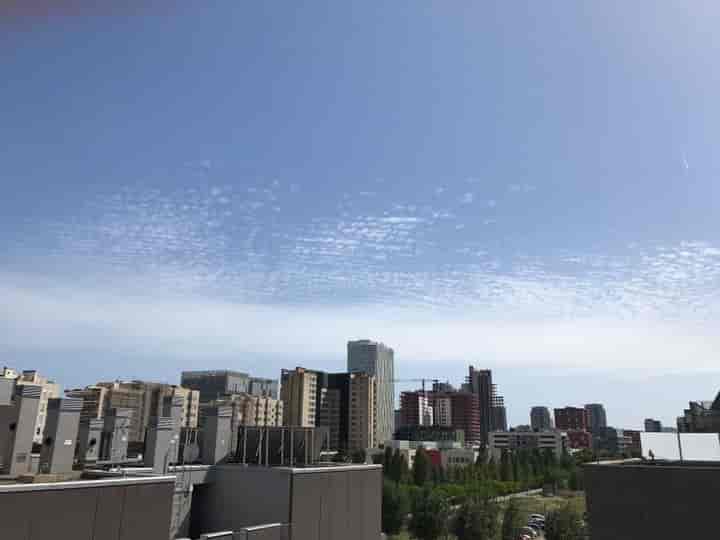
528, 187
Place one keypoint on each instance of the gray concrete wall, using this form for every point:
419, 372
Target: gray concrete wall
18, 430
60, 436
236, 497
109, 510
343, 504
661, 502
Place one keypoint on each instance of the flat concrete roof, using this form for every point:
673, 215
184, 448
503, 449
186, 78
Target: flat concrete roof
657, 464
84, 484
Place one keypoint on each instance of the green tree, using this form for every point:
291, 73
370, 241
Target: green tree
477, 519
395, 468
387, 461
564, 523
421, 467
512, 521
429, 519
403, 469
575, 480
506, 472
395, 507
491, 469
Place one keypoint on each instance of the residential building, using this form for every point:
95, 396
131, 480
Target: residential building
333, 408
579, 440
430, 433
653, 426
48, 390
362, 424
416, 409
214, 384
398, 419
298, 392
93, 397
526, 440
147, 400
498, 412
263, 387
443, 387
442, 408
635, 447
245, 410
571, 418
466, 415
595, 417
701, 417
613, 441
480, 383
378, 360
540, 419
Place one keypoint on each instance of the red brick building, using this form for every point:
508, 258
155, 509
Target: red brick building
578, 440
571, 418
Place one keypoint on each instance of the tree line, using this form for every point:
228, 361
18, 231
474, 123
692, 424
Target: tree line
432, 501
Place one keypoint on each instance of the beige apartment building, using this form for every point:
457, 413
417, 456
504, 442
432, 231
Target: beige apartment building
299, 395
146, 400
93, 401
248, 410
362, 422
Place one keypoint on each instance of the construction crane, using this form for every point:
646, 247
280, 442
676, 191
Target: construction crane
434, 381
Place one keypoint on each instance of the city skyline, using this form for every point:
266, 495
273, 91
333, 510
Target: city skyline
525, 188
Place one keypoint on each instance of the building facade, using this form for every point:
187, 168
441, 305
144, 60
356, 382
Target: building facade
333, 408
416, 409
263, 387
701, 417
466, 415
146, 400
480, 383
653, 426
93, 401
214, 384
362, 424
571, 418
298, 392
579, 440
596, 417
442, 409
526, 440
378, 360
540, 419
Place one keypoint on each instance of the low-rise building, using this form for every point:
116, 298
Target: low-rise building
652, 425
457, 457
701, 417
579, 440
527, 440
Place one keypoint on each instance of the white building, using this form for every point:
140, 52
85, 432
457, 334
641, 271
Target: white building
443, 411
527, 440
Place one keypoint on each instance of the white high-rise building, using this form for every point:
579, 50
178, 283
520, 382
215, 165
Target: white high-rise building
373, 358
